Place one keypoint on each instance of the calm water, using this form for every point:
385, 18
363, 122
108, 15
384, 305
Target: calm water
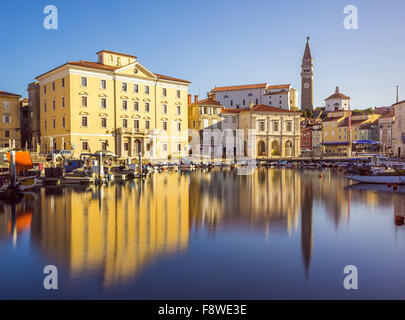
278, 233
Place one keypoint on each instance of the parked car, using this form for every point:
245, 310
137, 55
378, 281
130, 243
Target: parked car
59, 154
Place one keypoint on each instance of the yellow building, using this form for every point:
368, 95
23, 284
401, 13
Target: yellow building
335, 130
203, 115
9, 120
115, 104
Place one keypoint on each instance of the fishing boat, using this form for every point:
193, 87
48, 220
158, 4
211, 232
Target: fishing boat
27, 183
23, 183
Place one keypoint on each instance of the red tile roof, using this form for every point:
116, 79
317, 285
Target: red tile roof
229, 110
388, 114
258, 108
160, 76
86, 64
332, 119
279, 86
276, 93
100, 66
209, 102
9, 94
95, 65
265, 108
338, 96
355, 123
240, 87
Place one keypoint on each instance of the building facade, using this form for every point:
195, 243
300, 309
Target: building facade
317, 139
337, 102
398, 135
338, 129
385, 124
270, 132
242, 96
203, 115
115, 104
10, 135
31, 113
306, 141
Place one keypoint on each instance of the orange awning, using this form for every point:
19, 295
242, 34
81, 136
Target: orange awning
23, 160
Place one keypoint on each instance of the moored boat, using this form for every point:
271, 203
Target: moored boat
383, 178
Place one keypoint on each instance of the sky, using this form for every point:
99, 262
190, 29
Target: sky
216, 43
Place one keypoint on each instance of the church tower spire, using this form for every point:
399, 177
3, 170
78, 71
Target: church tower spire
307, 75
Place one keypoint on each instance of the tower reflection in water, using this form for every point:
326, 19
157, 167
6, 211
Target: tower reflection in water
116, 231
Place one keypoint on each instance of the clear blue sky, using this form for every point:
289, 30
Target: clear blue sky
219, 42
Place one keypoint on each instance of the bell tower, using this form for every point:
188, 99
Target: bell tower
307, 75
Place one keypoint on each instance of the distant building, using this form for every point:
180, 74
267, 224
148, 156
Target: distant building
337, 102
317, 139
25, 121
335, 130
307, 76
398, 135
275, 131
203, 114
383, 110
306, 141
242, 96
311, 138
10, 120
369, 131
386, 123
34, 109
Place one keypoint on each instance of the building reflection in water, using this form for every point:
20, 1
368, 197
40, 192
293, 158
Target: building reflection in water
267, 199
116, 230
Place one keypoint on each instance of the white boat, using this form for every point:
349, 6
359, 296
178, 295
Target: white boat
375, 187
379, 178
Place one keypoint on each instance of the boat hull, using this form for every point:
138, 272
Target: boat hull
377, 179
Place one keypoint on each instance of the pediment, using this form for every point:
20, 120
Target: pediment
136, 69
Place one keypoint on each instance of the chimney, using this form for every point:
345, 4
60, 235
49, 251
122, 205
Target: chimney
211, 95
196, 98
189, 99
397, 95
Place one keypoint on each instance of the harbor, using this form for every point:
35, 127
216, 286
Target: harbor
196, 156
192, 229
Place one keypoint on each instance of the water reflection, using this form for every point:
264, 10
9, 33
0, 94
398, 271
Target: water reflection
115, 232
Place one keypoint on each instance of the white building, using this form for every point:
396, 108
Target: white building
239, 97
337, 102
398, 134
